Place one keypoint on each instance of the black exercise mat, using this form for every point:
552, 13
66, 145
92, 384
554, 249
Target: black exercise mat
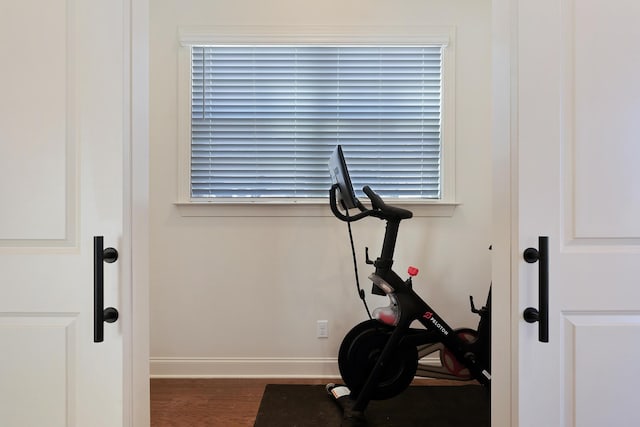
287, 405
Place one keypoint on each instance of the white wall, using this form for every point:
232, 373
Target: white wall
241, 295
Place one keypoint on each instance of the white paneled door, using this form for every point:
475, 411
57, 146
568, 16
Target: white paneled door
63, 131
576, 133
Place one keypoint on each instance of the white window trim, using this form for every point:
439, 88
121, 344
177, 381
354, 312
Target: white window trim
254, 35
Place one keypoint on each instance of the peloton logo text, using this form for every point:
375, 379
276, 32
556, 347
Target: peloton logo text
429, 316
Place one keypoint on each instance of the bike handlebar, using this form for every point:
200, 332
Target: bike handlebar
380, 208
390, 212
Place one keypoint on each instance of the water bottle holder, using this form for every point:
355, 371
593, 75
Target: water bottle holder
389, 315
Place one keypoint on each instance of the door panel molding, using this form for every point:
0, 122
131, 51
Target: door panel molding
41, 367
598, 132
39, 110
600, 356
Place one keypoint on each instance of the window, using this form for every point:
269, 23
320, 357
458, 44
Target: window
264, 119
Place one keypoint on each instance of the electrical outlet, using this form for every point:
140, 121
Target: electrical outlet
322, 330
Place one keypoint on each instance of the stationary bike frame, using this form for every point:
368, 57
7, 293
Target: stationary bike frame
472, 354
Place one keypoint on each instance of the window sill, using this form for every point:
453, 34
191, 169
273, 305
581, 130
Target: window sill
296, 208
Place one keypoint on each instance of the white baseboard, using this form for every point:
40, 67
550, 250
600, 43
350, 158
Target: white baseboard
247, 367
250, 367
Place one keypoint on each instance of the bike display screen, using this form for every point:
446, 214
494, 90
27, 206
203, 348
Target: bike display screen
340, 175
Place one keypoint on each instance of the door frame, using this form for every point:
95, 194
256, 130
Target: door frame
135, 299
504, 406
505, 316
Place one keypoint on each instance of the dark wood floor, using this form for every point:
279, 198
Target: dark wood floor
218, 402
210, 402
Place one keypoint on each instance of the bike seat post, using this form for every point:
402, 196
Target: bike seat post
389, 242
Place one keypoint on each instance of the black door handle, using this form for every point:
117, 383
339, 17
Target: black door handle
541, 314
101, 314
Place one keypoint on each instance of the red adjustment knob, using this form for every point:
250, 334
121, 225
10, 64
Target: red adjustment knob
413, 271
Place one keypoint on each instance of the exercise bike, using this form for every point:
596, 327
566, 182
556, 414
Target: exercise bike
379, 357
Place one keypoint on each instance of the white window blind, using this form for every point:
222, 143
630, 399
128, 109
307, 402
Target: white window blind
264, 119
